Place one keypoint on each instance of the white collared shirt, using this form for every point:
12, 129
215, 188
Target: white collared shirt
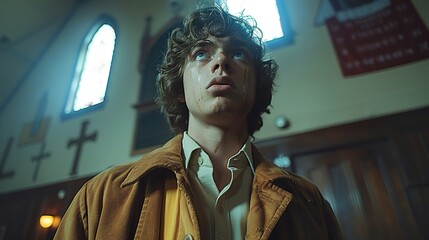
222, 215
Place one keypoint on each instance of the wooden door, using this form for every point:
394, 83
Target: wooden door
375, 173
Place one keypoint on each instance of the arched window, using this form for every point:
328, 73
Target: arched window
270, 15
91, 76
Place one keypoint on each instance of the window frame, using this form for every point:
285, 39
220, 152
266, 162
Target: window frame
76, 77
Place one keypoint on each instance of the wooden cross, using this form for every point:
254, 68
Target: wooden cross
79, 145
3, 161
38, 159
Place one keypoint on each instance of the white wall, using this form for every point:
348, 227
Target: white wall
313, 94
311, 91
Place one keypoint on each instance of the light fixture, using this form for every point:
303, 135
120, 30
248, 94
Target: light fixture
282, 122
282, 161
47, 221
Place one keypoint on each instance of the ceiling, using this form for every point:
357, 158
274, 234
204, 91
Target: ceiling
26, 29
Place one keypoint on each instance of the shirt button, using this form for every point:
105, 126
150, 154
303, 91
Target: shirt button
200, 161
188, 237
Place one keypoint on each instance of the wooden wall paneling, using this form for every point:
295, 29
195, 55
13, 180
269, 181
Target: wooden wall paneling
375, 173
393, 177
387, 220
356, 191
413, 145
17, 214
20, 211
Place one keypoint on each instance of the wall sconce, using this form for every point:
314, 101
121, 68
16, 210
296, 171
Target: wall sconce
282, 122
47, 221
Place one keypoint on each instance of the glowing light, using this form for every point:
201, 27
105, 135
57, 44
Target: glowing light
264, 12
282, 161
47, 221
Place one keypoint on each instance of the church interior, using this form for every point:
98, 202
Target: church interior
350, 109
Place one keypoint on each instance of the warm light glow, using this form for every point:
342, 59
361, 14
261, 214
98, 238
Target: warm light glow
47, 221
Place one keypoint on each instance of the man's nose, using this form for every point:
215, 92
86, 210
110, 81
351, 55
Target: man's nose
220, 63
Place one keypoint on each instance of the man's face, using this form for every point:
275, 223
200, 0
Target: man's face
219, 81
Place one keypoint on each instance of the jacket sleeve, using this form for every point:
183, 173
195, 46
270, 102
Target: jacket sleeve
332, 226
74, 222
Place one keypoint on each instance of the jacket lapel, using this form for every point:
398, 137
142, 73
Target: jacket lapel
165, 160
150, 217
168, 156
268, 201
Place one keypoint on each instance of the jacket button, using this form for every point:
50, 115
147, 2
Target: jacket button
188, 237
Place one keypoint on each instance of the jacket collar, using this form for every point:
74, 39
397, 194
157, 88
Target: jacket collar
169, 156
189, 146
266, 170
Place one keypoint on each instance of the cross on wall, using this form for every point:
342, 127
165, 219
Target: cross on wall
78, 142
10, 173
38, 159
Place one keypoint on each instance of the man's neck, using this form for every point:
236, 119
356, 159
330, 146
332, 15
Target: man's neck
220, 143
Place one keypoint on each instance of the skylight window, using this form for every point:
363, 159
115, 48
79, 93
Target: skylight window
92, 72
267, 14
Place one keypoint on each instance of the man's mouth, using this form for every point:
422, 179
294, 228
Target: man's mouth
221, 83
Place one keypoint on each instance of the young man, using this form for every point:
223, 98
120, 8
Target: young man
209, 182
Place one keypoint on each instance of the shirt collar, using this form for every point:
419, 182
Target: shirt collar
190, 146
170, 157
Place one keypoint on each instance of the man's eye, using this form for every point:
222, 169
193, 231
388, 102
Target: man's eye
201, 55
239, 55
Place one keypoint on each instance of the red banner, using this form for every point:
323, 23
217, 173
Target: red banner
392, 36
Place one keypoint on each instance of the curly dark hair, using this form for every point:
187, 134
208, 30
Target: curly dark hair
200, 24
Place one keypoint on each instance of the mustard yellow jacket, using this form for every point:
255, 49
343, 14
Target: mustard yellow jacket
125, 202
